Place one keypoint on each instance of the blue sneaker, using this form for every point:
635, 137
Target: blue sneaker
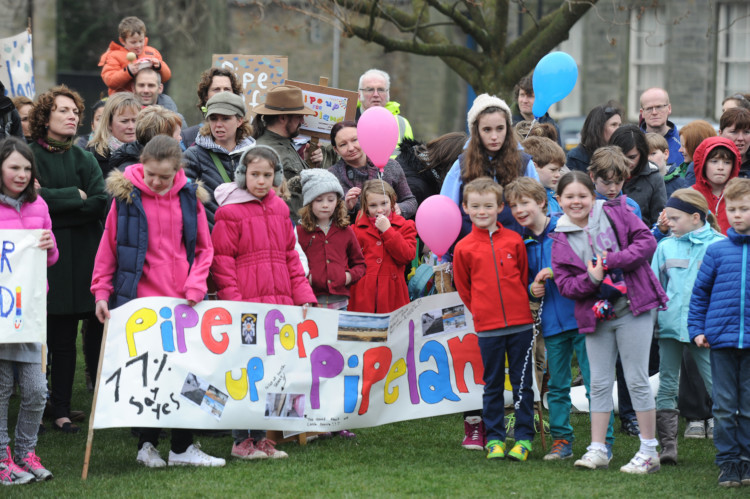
729, 475
561, 449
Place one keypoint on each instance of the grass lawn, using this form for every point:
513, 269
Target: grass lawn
421, 458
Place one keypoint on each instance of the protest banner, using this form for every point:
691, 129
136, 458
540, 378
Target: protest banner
331, 105
225, 365
257, 74
23, 287
17, 65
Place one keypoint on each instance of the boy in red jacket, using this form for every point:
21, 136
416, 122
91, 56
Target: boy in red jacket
119, 70
490, 269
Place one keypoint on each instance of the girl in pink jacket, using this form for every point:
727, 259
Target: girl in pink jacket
22, 208
172, 260
255, 259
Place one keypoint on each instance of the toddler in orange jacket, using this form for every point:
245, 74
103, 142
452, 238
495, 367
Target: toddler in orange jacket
122, 61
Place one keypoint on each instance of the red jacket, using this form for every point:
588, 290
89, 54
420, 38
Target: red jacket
715, 203
114, 63
491, 275
383, 288
330, 256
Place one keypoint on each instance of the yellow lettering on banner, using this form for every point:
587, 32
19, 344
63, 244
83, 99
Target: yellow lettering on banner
286, 335
237, 388
397, 370
141, 320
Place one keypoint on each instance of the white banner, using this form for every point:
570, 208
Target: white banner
239, 365
23, 287
17, 65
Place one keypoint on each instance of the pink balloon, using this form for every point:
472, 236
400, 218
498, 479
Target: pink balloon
438, 223
377, 132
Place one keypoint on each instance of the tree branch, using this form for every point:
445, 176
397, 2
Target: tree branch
467, 25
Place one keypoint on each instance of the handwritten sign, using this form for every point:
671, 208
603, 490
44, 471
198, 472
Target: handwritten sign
256, 73
17, 65
331, 105
23, 287
230, 365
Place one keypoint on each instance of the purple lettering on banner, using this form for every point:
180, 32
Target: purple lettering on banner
325, 362
271, 330
184, 317
411, 367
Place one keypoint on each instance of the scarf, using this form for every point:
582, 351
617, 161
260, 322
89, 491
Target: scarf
114, 143
53, 145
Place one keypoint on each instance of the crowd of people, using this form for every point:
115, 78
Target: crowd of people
630, 250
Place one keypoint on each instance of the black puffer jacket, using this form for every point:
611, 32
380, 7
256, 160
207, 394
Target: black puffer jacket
647, 189
423, 183
200, 166
126, 155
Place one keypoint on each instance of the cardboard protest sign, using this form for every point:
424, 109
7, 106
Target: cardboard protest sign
229, 365
23, 287
17, 65
331, 105
257, 74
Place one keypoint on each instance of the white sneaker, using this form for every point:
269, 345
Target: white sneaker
695, 429
194, 456
642, 464
710, 428
150, 457
593, 459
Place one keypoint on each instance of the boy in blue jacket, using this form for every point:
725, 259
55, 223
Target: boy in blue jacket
527, 199
719, 319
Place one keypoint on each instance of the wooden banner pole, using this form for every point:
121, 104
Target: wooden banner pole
323, 82
90, 438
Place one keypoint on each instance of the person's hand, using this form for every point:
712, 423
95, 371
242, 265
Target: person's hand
350, 200
537, 289
37, 185
397, 209
382, 223
192, 303
134, 67
102, 310
316, 156
348, 279
543, 275
661, 223
701, 341
596, 270
82, 194
46, 242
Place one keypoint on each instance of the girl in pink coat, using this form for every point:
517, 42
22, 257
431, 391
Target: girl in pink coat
22, 208
255, 259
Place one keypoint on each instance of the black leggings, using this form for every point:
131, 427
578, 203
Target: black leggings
62, 331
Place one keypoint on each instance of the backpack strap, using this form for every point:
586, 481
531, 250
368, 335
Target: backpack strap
220, 167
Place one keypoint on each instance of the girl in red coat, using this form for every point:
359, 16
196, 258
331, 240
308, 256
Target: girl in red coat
388, 243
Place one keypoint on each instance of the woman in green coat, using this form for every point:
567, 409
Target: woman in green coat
71, 184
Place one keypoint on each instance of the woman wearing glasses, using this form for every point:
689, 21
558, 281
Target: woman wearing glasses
600, 123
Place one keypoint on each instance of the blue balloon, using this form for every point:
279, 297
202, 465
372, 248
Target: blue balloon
554, 78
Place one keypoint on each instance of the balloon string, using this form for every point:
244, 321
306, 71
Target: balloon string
530, 128
380, 176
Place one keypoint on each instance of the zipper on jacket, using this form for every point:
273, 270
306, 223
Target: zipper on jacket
497, 275
742, 295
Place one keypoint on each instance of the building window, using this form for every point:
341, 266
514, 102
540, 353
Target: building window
648, 55
733, 58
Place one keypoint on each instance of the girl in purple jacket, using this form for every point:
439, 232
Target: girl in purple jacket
600, 258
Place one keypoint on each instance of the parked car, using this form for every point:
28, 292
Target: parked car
570, 131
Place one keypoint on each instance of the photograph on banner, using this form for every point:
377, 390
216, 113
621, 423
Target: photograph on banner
23, 287
224, 365
331, 106
17, 65
257, 74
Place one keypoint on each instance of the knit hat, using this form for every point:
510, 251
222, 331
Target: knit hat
316, 182
483, 102
265, 151
225, 103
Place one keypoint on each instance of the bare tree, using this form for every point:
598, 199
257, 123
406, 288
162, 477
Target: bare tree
418, 27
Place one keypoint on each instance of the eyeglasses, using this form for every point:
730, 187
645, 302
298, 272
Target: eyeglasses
654, 109
370, 90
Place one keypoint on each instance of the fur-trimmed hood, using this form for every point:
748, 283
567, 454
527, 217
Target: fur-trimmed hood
120, 185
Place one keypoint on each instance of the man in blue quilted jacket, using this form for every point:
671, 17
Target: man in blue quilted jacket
719, 319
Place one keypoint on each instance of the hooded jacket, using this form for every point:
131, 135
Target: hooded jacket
715, 203
676, 263
636, 247
719, 304
647, 189
114, 63
491, 273
255, 259
160, 231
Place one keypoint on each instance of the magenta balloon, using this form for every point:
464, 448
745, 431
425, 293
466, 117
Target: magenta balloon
438, 223
377, 132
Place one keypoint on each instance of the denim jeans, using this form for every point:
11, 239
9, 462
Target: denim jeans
520, 368
670, 352
560, 348
730, 370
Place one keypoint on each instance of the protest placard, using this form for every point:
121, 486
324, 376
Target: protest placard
331, 105
257, 74
17, 65
23, 287
230, 365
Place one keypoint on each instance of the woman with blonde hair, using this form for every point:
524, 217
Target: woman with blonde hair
116, 127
